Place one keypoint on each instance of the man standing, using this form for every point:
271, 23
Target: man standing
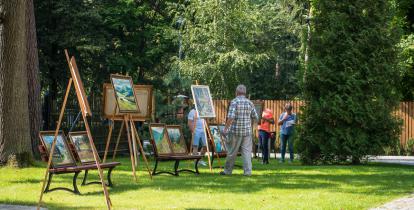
239, 127
287, 121
197, 131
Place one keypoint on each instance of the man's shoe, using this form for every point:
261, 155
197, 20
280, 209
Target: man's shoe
247, 175
222, 173
281, 161
290, 161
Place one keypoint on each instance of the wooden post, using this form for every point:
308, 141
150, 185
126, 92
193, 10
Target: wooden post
130, 147
118, 139
49, 162
134, 131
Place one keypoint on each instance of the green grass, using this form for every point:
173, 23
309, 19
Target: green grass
274, 186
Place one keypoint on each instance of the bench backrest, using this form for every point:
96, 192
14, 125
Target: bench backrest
62, 156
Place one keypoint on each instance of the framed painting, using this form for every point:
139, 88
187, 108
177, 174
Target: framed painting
203, 101
160, 139
143, 95
176, 137
124, 94
259, 105
80, 141
216, 132
80, 91
62, 156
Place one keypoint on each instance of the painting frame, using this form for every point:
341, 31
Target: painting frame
222, 140
210, 111
145, 103
79, 89
130, 88
154, 143
73, 142
61, 134
182, 140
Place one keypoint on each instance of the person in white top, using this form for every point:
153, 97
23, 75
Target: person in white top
197, 132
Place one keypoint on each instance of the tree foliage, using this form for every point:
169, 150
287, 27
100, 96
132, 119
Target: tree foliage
252, 42
350, 84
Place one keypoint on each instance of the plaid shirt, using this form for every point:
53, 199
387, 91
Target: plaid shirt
242, 111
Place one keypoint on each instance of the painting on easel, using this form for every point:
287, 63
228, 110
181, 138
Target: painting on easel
203, 101
124, 93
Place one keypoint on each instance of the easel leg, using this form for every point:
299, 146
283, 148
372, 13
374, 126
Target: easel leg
108, 140
118, 139
52, 150
130, 148
141, 149
95, 155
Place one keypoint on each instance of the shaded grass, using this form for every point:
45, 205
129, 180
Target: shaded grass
274, 186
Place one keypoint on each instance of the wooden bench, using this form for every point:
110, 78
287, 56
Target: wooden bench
169, 145
67, 154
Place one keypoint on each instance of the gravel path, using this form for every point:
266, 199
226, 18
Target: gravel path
406, 203
18, 207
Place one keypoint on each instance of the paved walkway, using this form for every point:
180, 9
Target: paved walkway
406, 203
18, 207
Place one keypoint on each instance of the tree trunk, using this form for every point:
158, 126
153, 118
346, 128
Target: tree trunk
33, 80
15, 146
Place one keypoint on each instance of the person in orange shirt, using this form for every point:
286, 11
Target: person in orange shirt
264, 134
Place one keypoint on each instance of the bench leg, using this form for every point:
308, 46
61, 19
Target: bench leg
84, 178
75, 187
177, 163
196, 166
154, 172
109, 177
49, 180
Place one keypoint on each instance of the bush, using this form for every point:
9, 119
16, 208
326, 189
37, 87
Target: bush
349, 83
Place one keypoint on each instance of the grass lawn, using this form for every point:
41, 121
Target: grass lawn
274, 186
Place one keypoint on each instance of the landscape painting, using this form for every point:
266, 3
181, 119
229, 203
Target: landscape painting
124, 93
203, 101
217, 137
62, 155
80, 141
160, 138
176, 138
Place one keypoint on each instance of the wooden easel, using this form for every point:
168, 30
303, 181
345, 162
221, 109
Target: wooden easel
85, 109
133, 139
211, 138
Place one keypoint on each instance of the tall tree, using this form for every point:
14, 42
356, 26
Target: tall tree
350, 85
33, 77
15, 146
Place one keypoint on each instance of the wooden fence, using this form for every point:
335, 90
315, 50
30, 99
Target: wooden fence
405, 112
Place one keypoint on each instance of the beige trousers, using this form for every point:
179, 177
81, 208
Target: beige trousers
234, 145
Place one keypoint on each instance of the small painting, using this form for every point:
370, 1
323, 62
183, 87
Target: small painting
203, 101
80, 141
160, 138
62, 155
216, 133
177, 139
124, 93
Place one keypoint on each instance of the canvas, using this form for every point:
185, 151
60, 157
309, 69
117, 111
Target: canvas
80, 141
159, 136
203, 101
62, 155
80, 91
216, 132
177, 140
124, 93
